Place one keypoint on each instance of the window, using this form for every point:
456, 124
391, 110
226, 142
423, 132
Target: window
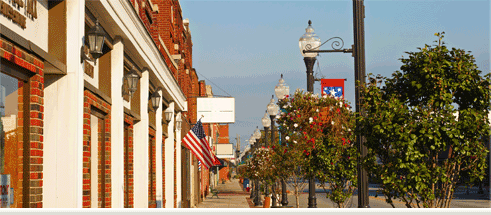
8, 120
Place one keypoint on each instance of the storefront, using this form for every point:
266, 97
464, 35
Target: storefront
72, 132
25, 62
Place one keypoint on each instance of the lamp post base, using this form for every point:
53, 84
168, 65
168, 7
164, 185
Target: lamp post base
257, 197
312, 199
284, 197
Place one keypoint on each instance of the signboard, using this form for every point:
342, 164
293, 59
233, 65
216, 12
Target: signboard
5, 191
216, 110
333, 87
27, 18
225, 150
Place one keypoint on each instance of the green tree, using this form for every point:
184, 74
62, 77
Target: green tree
318, 133
425, 125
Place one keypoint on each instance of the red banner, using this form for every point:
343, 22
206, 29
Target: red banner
333, 87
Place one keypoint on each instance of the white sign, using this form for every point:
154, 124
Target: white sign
4, 191
225, 150
216, 110
27, 18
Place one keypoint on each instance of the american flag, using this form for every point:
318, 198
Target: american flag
196, 141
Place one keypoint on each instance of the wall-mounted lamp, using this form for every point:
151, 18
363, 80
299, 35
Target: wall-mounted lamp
178, 121
168, 115
132, 78
155, 99
96, 42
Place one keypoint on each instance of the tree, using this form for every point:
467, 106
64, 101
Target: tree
425, 125
318, 133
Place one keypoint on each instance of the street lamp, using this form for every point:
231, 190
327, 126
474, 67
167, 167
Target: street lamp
266, 123
281, 91
272, 110
257, 133
309, 41
309, 48
257, 194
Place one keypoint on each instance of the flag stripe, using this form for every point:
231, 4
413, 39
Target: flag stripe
203, 155
193, 148
197, 151
195, 140
204, 145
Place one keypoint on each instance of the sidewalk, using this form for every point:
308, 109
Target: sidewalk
230, 196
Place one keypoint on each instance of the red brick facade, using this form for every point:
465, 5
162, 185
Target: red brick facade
224, 174
223, 134
151, 170
167, 28
93, 103
163, 170
128, 164
28, 174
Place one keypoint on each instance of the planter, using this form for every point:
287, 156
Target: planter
267, 202
323, 115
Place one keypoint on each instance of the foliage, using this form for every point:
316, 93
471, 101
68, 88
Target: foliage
424, 127
318, 135
260, 165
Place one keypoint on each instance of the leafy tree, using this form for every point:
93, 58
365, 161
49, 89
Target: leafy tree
425, 125
290, 162
318, 133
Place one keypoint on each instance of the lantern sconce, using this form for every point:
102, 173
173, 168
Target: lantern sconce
132, 79
96, 38
168, 115
155, 99
178, 121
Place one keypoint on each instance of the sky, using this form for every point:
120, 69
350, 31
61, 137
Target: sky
241, 48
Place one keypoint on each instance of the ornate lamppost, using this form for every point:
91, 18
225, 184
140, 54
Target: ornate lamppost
309, 47
281, 90
272, 110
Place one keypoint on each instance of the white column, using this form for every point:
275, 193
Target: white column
63, 138
192, 181
117, 124
178, 163
140, 150
169, 162
158, 152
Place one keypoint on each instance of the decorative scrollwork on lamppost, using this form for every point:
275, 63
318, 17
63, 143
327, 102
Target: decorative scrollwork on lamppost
309, 45
308, 40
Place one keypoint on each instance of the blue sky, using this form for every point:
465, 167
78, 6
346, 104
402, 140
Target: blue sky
244, 46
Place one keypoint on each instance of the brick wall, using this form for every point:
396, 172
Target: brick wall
151, 170
128, 167
224, 136
28, 173
224, 174
91, 101
163, 170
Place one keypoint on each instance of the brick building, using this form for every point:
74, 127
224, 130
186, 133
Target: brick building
72, 134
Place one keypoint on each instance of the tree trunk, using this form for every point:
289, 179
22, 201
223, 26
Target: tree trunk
296, 197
